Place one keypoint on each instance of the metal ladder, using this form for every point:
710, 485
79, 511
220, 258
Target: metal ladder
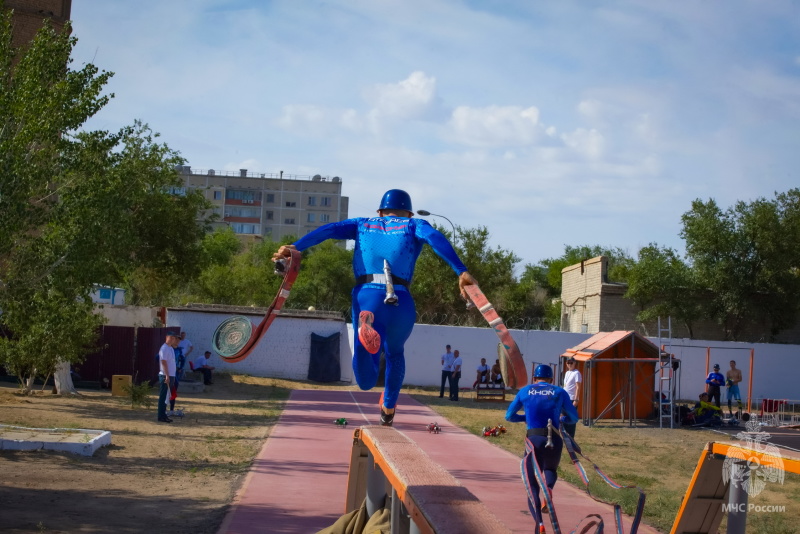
665, 376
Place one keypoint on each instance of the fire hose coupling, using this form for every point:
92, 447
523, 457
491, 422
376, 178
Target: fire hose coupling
391, 296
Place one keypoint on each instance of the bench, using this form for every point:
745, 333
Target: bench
388, 469
490, 393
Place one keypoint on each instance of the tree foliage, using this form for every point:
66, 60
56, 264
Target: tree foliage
77, 208
747, 259
661, 284
435, 286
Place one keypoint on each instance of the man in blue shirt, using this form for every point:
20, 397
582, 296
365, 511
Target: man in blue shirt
543, 402
396, 239
715, 380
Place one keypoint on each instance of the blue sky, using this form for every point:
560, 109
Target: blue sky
550, 123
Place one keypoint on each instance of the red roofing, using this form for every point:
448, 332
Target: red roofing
602, 341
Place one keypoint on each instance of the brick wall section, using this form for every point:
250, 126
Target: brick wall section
29, 15
581, 286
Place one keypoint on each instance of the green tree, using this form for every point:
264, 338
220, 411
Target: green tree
747, 258
326, 279
435, 285
246, 279
220, 246
663, 285
77, 208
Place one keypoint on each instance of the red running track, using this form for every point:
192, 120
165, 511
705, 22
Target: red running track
298, 481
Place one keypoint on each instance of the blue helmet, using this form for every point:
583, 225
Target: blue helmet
396, 199
543, 371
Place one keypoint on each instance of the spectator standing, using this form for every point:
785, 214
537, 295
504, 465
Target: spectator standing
186, 347
572, 385
714, 382
483, 374
456, 376
201, 365
166, 374
447, 370
732, 379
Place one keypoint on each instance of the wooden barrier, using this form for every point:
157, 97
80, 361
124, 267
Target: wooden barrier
385, 465
489, 393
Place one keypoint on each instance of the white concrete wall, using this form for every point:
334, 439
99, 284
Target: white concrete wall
775, 367
284, 353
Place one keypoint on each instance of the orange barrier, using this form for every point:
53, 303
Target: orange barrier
703, 505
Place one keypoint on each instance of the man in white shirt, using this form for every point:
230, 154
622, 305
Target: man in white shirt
201, 365
483, 374
186, 348
456, 376
166, 374
447, 370
572, 385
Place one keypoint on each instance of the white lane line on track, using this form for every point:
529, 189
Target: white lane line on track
358, 406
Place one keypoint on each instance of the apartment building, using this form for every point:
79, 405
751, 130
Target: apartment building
258, 205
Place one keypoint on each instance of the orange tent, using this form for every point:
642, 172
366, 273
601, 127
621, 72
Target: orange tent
618, 371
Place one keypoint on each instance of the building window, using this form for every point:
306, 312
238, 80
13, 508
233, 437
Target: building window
326, 201
267, 231
179, 191
217, 195
324, 217
247, 197
291, 204
243, 228
288, 221
270, 197
310, 217
312, 201
234, 211
269, 216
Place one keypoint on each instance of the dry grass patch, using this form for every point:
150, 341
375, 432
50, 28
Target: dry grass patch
180, 478
661, 462
177, 477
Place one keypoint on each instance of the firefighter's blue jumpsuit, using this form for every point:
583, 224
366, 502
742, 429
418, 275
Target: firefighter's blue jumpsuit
398, 240
542, 401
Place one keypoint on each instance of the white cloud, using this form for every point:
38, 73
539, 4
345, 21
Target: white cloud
317, 120
409, 99
589, 143
495, 126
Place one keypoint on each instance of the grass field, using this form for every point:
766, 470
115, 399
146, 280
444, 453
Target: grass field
660, 461
188, 472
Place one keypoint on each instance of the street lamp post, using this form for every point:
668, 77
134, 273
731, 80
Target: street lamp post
426, 213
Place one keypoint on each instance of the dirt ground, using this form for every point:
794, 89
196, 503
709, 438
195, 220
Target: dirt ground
155, 477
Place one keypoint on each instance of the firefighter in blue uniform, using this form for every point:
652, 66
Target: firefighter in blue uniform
543, 402
389, 243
